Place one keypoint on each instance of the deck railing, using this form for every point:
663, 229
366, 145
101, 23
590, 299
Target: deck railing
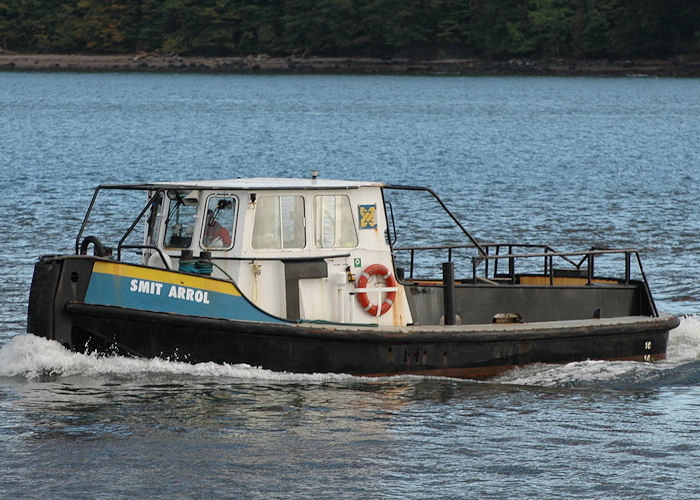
581, 263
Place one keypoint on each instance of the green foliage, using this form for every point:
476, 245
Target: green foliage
413, 28
594, 39
551, 22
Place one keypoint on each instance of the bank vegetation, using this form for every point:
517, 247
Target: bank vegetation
422, 29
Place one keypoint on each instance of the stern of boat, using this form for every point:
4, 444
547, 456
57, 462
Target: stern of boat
57, 280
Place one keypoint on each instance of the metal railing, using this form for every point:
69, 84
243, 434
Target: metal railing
583, 267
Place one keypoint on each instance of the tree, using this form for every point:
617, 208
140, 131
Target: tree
413, 28
552, 22
595, 41
501, 28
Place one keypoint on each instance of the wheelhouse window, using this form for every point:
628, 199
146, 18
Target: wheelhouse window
179, 226
333, 223
279, 222
217, 233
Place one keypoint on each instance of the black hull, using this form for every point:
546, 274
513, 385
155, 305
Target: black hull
469, 352
58, 311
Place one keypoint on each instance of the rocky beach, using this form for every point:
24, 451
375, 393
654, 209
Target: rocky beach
679, 66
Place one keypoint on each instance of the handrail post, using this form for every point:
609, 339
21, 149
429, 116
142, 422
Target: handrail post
413, 253
486, 263
511, 268
590, 267
551, 271
495, 261
85, 219
627, 268
444, 207
151, 203
511, 265
652, 304
474, 264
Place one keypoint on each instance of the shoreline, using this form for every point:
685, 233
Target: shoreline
679, 66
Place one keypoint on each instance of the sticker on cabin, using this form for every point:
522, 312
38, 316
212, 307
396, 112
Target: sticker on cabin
368, 216
358, 262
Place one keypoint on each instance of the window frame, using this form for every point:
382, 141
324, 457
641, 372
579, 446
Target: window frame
281, 212
336, 221
166, 220
234, 222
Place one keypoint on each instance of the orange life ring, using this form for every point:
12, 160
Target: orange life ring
372, 270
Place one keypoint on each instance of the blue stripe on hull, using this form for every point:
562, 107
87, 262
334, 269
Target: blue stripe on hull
159, 296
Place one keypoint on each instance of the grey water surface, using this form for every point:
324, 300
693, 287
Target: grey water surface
574, 163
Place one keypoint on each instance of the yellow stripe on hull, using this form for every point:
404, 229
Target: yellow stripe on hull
164, 276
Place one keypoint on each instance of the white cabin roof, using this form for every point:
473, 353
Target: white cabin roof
261, 183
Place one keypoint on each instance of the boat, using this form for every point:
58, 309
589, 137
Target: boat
307, 275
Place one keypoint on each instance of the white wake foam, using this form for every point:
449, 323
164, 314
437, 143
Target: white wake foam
683, 346
581, 373
684, 341
34, 357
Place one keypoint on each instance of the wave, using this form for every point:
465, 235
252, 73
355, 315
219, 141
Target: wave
36, 358
684, 341
682, 366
